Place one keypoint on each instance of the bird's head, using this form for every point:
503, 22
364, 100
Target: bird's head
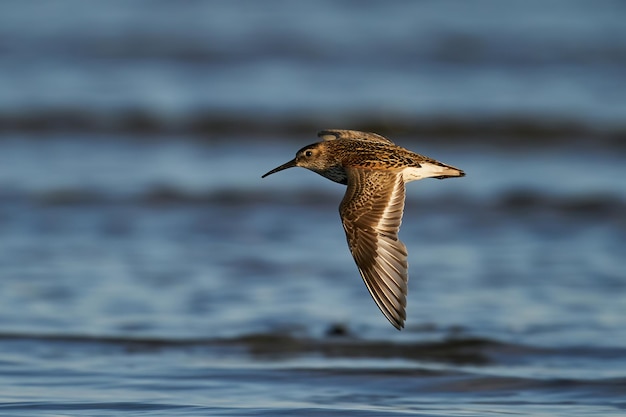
311, 157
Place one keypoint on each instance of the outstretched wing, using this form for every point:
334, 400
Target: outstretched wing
334, 134
371, 212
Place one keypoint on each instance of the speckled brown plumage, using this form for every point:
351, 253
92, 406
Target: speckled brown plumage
375, 171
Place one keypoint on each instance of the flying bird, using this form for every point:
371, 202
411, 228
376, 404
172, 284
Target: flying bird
375, 171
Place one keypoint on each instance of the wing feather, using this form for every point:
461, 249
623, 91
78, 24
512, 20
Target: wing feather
371, 212
335, 134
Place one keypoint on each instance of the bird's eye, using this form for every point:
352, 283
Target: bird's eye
308, 153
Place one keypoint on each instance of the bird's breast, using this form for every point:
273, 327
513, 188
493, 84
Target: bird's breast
335, 173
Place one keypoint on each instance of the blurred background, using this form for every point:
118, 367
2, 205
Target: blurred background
133, 217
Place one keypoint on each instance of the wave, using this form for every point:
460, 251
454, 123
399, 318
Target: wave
520, 200
456, 349
163, 197
469, 350
482, 372
532, 201
498, 130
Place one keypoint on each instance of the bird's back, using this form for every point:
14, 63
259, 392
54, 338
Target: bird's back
375, 155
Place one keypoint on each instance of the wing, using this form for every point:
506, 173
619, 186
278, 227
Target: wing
371, 212
334, 134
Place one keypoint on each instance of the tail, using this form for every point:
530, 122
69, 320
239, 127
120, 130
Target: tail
430, 169
447, 171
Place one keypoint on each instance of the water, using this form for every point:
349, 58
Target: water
147, 269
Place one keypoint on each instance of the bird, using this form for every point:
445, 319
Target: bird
375, 171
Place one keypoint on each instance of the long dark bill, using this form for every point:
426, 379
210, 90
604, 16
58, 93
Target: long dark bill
289, 164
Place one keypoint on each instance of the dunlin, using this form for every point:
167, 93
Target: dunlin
375, 171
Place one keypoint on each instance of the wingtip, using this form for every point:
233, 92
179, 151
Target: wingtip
396, 316
335, 134
329, 134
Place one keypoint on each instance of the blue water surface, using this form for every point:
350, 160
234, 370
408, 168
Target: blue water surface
147, 269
